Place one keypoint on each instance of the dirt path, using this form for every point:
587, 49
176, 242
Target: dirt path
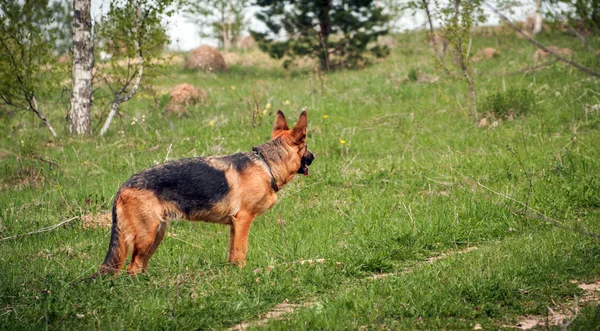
562, 315
284, 309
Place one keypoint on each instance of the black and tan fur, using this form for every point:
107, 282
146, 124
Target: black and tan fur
231, 189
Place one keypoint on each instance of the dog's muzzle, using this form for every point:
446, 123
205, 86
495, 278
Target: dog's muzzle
306, 161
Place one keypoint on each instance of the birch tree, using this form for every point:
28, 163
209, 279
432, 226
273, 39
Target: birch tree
26, 61
223, 20
537, 18
83, 64
134, 34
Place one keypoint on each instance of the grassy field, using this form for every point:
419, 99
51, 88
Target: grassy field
412, 217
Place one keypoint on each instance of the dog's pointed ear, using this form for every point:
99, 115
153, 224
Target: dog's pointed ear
280, 123
299, 132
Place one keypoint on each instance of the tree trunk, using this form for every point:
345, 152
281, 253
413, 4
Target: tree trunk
537, 26
119, 99
224, 32
83, 63
324, 35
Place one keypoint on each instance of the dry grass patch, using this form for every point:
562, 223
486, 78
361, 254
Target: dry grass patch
541, 54
253, 57
100, 221
486, 53
23, 178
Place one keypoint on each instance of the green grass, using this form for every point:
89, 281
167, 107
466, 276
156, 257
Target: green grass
409, 182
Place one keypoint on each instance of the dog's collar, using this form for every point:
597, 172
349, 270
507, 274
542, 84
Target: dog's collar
257, 152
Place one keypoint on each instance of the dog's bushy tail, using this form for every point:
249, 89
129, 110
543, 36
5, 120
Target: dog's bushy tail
117, 249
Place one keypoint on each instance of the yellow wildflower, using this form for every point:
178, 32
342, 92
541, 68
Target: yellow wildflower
268, 106
342, 141
286, 102
211, 123
264, 112
325, 116
232, 88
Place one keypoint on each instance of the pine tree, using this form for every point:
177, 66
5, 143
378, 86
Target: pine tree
338, 33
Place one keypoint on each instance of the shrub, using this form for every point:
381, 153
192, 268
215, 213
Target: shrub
413, 74
513, 102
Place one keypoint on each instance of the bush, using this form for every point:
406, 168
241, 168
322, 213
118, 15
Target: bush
413, 74
509, 104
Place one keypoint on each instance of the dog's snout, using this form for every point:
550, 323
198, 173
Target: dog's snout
309, 157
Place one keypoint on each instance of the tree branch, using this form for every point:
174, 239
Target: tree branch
542, 216
46, 229
583, 40
26, 90
540, 46
120, 99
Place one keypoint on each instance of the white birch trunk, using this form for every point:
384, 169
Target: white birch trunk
120, 99
83, 63
537, 26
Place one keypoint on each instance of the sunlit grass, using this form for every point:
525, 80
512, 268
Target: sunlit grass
402, 173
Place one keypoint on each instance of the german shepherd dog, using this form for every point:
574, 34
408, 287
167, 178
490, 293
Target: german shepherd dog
231, 189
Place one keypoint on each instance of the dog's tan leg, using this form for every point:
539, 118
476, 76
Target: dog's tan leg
160, 234
142, 246
145, 225
238, 238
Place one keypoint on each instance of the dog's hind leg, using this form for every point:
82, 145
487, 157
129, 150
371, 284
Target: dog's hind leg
141, 209
160, 234
142, 246
238, 238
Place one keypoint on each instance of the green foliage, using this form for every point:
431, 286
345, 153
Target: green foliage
587, 319
413, 74
457, 20
514, 102
223, 20
163, 101
338, 34
62, 15
580, 13
26, 39
134, 34
134, 28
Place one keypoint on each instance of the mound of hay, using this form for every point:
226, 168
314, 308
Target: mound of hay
206, 58
183, 95
488, 53
540, 54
